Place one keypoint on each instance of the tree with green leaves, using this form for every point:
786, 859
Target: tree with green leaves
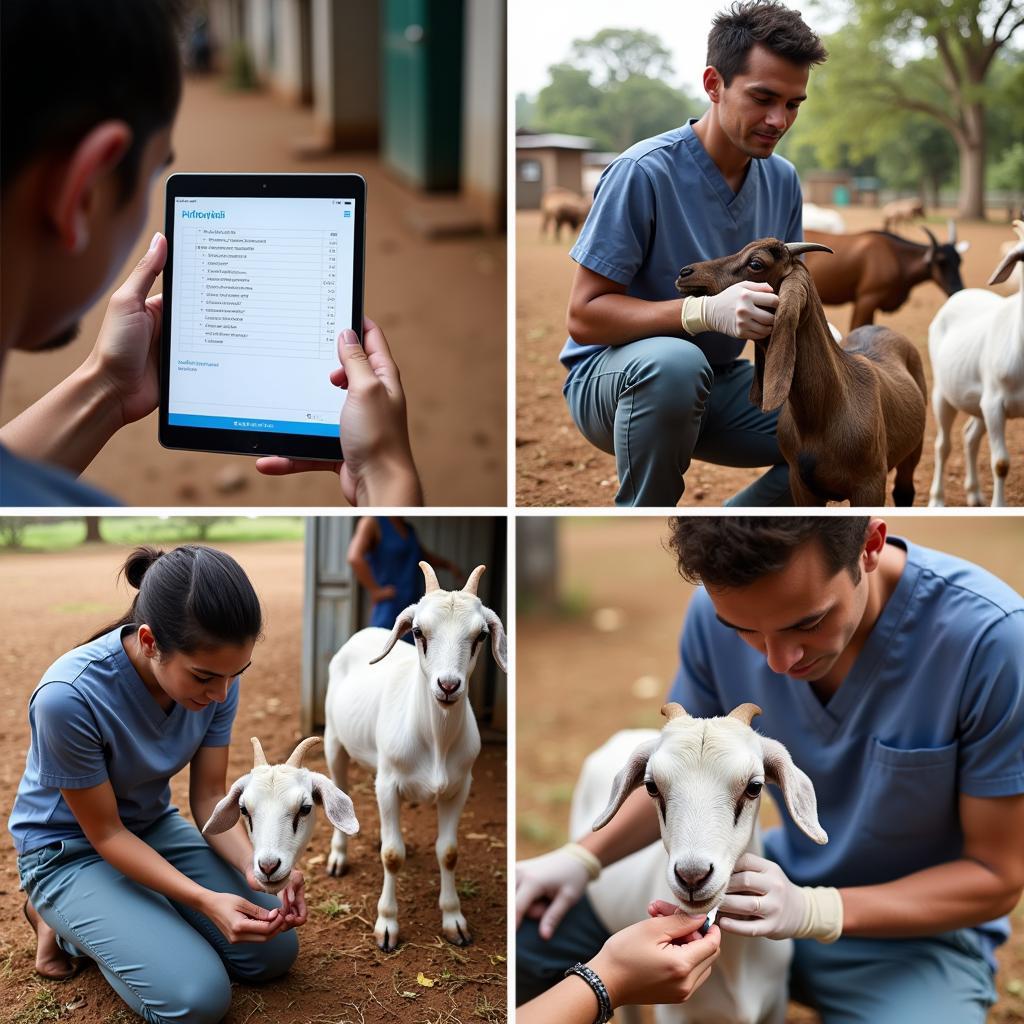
613, 90
874, 75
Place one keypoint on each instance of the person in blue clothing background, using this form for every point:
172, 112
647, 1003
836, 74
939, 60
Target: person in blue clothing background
111, 869
655, 379
385, 554
893, 674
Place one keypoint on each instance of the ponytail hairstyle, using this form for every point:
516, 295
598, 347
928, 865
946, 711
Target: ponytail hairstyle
191, 597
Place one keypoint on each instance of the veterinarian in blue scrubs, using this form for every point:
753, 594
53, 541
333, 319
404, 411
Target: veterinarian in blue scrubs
894, 676
112, 871
639, 385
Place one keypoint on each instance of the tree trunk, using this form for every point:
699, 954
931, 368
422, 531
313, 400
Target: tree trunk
92, 530
972, 164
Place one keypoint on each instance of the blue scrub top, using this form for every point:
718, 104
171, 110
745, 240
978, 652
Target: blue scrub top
932, 708
34, 484
92, 720
395, 561
664, 204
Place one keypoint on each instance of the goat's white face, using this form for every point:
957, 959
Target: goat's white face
449, 628
705, 777
276, 804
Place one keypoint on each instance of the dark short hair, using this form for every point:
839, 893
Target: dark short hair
736, 31
192, 597
735, 551
69, 65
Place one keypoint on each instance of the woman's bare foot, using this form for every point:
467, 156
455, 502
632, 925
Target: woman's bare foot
51, 961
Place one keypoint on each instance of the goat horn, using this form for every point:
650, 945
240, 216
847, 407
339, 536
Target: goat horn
300, 751
952, 231
429, 577
744, 713
796, 248
474, 579
673, 710
258, 757
933, 241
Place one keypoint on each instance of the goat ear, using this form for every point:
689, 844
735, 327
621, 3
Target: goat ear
336, 804
402, 625
797, 789
225, 814
757, 384
498, 644
628, 778
1002, 272
780, 359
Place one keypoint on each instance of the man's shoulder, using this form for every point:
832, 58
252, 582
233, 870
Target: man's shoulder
971, 587
667, 146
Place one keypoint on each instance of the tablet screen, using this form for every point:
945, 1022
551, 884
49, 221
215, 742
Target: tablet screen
262, 286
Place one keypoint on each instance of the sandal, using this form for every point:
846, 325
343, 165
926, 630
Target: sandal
77, 963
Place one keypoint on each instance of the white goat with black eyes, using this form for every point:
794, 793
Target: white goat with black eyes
409, 720
705, 777
276, 803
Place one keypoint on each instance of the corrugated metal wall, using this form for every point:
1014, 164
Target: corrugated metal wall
335, 605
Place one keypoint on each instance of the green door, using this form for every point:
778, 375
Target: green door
422, 94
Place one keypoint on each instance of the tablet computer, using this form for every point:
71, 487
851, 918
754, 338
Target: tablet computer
263, 271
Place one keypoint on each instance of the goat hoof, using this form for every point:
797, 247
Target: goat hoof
386, 934
337, 865
457, 933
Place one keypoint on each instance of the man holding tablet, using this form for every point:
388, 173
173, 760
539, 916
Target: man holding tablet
76, 177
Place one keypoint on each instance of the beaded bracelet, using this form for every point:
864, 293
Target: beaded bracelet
604, 1004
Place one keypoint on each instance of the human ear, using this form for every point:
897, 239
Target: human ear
712, 83
80, 178
147, 642
874, 544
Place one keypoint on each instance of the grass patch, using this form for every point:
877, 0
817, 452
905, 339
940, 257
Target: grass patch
467, 889
43, 1007
65, 534
333, 907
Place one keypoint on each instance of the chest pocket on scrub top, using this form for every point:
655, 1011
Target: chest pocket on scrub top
910, 794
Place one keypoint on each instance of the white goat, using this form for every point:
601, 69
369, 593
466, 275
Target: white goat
705, 776
276, 802
410, 722
821, 218
976, 343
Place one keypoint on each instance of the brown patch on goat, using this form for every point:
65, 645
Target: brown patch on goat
450, 858
1002, 468
393, 860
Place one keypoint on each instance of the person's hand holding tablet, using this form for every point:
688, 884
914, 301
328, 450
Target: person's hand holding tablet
378, 468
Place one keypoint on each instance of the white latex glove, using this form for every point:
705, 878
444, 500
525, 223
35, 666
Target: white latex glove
744, 310
547, 886
773, 907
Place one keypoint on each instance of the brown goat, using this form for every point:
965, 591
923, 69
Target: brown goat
876, 271
562, 206
851, 413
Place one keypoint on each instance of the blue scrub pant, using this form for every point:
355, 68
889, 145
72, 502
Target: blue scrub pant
165, 960
657, 403
943, 979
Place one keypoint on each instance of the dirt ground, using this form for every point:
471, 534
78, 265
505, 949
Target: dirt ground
47, 603
613, 651
441, 305
556, 466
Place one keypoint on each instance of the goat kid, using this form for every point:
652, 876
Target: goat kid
705, 777
276, 802
410, 722
852, 411
976, 344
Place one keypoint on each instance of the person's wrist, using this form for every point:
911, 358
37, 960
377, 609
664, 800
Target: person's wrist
390, 480
603, 966
96, 396
692, 315
590, 862
823, 914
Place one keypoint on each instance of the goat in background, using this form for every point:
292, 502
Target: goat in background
852, 411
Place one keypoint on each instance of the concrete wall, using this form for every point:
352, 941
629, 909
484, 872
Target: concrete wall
483, 110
